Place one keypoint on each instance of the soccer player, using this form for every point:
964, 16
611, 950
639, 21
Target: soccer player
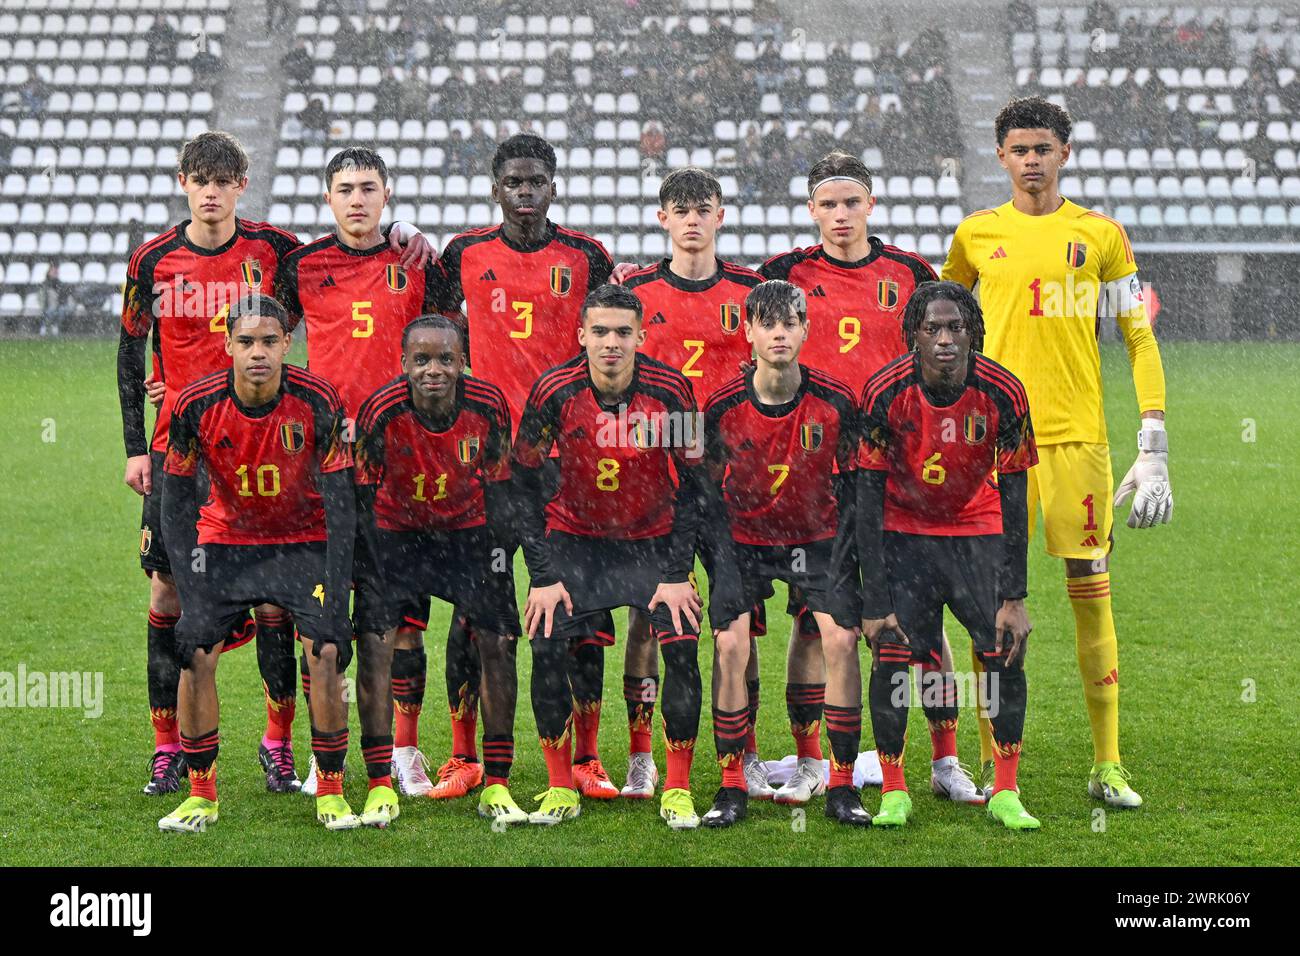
620, 531
181, 284
522, 283
277, 527
355, 297
857, 287
781, 439
942, 520
1048, 270
433, 463
694, 303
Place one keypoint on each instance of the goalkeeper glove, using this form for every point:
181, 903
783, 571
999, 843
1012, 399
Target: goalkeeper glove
1148, 479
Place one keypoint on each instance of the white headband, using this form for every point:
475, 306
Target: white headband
832, 179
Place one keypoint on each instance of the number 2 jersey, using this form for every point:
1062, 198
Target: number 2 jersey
183, 292
855, 309
355, 303
523, 304
778, 463
261, 462
943, 453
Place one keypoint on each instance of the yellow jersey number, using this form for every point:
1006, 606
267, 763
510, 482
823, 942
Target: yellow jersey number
697, 352
524, 313
850, 332
782, 472
440, 481
359, 314
934, 473
268, 481
607, 474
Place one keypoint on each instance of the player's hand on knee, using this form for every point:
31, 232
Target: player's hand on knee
1012, 626
155, 390
139, 474
540, 609
682, 600
878, 630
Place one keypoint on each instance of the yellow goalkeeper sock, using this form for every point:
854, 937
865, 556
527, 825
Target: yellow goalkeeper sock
986, 728
1098, 652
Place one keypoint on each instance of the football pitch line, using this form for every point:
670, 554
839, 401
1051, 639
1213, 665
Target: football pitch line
1204, 608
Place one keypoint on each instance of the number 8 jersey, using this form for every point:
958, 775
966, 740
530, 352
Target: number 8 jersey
942, 453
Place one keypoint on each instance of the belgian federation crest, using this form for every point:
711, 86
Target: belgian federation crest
561, 280
810, 436
467, 449
730, 313
395, 275
292, 437
887, 294
251, 270
974, 427
644, 435
1076, 254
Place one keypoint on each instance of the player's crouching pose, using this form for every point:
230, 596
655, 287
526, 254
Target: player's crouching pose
940, 427
433, 459
278, 527
619, 532
781, 439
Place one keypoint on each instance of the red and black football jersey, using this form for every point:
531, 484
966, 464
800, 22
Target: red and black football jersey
355, 303
778, 462
696, 325
943, 460
184, 293
855, 309
262, 462
427, 479
523, 304
619, 465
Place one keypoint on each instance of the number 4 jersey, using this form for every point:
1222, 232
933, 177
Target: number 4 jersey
943, 452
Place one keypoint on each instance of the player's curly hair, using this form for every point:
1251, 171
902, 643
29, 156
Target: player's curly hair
955, 292
257, 303
213, 155
523, 146
837, 164
433, 320
689, 186
770, 302
1032, 112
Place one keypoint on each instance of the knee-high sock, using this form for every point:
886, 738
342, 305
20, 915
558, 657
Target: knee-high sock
463, 675
164, 671
683, 694
331, 751
844, 727
729, 741
201, 757
888, 695
276, 664
985, 726
1008, 695
640, 695
1098, 653
553, 708
410, 667
804, 703
939, 701
586, 680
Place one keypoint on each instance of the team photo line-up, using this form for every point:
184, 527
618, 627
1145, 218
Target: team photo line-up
842, 420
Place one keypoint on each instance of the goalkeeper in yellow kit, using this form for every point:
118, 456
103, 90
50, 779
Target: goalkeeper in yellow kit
1049, 272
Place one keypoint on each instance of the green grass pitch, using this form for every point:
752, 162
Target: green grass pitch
1205, 610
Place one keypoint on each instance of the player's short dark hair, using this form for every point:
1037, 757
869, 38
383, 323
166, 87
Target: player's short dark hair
955, 292
523, 146
213, 155
434, 320
838, 163
610, 296
770, 302
1032, 112
259, 304
689, 186
355, 158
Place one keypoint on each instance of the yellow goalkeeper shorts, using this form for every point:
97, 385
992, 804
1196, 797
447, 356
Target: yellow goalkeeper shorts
1073, 483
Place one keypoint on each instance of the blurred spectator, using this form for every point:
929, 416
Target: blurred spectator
480, 147
839, 68
770, 68
53, 302
34, 96
277, 12
654, 144
162, 38
416, 95
6, 151
207, 67
372, 44
315, 121
1100, 16
298, 64
581, 121
1021, 17
1218, 43
388, 95
459, 156
401, 49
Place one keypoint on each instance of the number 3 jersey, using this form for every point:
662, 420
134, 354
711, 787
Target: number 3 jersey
261, 462
356, 303
778, 462
431, 479
942, 452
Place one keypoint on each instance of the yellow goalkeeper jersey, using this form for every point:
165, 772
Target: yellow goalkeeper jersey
1041, 279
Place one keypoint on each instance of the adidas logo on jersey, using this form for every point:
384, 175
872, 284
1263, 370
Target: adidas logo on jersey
488, 276
328, 283
657, 319
818, 291
999, 253
225, 442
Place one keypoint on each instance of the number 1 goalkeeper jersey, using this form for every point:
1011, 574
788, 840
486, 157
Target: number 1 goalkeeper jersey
1041, 279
